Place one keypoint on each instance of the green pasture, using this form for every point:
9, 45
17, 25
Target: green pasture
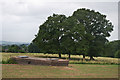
72, 71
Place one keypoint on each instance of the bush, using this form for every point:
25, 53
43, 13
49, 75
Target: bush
9, 61
117, 54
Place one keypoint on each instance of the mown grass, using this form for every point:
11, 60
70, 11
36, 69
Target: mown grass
72, 71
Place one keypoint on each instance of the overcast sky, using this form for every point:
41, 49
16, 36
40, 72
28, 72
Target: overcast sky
21, 18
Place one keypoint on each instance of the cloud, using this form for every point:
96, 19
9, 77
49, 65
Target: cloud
23, 17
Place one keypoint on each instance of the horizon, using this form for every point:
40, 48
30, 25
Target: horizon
31, 41
15, 42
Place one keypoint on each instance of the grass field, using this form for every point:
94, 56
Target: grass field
72, 71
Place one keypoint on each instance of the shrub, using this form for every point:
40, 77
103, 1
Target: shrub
117, 54
9, 61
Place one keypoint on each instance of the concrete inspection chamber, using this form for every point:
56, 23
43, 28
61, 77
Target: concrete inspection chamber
40, 61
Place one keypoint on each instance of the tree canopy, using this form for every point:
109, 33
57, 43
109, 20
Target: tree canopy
97, 29
83, 33
49, 36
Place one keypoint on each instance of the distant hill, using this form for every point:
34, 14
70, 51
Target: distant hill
11, 43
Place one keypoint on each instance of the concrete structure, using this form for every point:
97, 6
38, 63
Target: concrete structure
40, 61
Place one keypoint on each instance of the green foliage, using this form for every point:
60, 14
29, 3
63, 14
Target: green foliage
48, 37
33, 48
97, 28
15, 48
9, 61
83, 33
117, 54
112, 49
24, 48
5, 48
73, 40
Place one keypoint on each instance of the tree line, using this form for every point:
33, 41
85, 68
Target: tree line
111, 49
23, 48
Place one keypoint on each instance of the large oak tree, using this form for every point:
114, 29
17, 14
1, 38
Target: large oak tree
97, 29
83, 33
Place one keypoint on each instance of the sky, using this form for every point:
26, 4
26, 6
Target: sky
20, 19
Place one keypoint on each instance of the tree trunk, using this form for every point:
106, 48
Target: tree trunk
69, 55
83, 57
91, 58
59, 55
